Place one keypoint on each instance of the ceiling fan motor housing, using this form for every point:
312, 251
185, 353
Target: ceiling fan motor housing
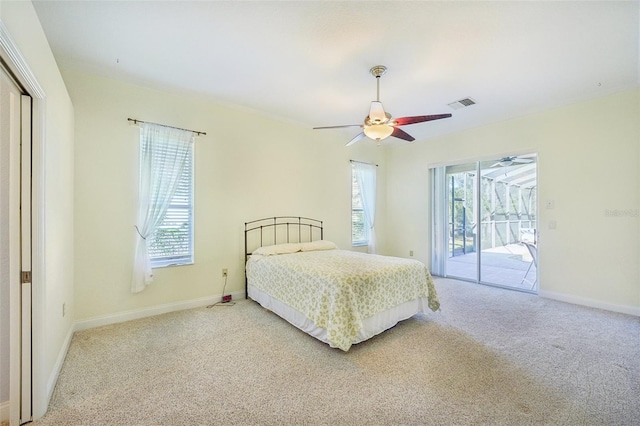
378, 71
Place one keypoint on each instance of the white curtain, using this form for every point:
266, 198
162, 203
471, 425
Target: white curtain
366, 178
439, 233
163, 154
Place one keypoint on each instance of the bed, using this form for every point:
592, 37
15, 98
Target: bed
339, 297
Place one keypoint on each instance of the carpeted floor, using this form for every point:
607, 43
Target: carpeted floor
490, 356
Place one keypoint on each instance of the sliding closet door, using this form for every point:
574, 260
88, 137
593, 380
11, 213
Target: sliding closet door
15, 251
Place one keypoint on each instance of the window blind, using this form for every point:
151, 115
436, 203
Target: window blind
359, 232
172, 242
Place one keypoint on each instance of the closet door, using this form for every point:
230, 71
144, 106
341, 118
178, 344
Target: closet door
15, 250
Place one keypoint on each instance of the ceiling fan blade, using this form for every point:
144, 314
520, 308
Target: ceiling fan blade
401, 134
522, 160
403, 121
338, 127
356, 139
508, 161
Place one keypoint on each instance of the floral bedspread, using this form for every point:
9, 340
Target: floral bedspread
337, 289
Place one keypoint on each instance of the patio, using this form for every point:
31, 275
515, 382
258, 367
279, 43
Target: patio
504, 266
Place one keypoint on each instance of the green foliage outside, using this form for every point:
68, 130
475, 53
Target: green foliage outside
170, 241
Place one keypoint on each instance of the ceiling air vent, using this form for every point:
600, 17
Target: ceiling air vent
462, 103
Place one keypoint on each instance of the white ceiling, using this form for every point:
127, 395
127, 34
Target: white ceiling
308, 61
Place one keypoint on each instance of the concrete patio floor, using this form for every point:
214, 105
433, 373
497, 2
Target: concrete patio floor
504, 266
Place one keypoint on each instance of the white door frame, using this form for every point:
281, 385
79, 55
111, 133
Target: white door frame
22, 73
26, 407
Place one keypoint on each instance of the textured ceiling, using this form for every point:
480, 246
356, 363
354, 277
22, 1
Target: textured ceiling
308, 62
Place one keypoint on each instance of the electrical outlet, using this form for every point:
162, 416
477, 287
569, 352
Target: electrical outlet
410, 252
224, 272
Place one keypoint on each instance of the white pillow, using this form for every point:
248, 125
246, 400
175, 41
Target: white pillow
318, 245
277, 249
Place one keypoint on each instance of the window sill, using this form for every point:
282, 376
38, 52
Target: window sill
359, 244
170, 264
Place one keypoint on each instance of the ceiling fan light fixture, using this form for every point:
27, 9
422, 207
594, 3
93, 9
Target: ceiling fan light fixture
377, 114
378, 131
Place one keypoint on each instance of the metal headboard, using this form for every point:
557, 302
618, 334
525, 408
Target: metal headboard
279, 230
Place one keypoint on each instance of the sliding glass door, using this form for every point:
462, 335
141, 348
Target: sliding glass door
461, 192
488, 224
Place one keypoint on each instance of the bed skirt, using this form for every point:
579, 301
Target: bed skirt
370, 326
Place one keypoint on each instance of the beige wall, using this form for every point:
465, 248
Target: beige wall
53, 175
250, 166
247, 167
589, 162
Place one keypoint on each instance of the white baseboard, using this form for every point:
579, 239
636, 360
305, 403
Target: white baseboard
109, 319
53, 378
4, 411
592, 303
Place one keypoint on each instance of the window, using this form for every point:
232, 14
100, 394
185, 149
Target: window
363, 201
359, 234
165, 202
172, 241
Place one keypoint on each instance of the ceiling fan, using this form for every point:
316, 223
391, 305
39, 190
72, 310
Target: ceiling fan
508, 161
379, 125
